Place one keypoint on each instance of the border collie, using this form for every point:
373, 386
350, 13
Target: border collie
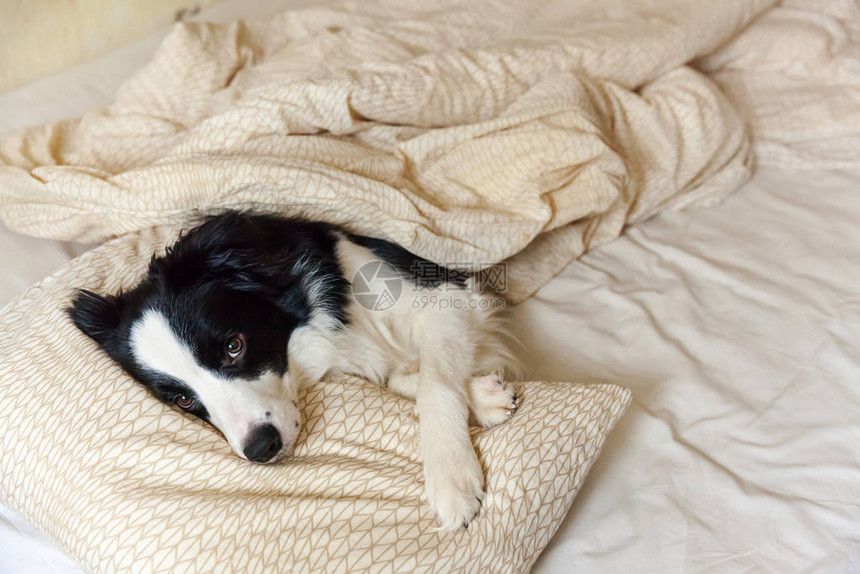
243, 310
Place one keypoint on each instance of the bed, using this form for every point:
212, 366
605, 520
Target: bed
736, 328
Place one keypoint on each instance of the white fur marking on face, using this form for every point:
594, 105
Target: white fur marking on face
235, 406
157, 347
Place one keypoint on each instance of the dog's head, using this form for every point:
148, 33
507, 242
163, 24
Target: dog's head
207, 330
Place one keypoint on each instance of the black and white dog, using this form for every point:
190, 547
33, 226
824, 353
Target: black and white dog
244, 309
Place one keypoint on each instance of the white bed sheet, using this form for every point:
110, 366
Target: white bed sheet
737, 329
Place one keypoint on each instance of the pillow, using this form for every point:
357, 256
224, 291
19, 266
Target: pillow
126, 484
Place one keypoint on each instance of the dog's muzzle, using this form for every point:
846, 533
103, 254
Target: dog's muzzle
263, 444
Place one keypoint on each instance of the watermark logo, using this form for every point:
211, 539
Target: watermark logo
376, 286
494, 277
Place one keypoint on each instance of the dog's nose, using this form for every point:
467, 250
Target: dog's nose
263, 444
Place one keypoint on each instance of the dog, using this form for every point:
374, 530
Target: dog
243, 310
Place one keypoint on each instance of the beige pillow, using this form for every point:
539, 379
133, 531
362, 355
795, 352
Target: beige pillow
126, 484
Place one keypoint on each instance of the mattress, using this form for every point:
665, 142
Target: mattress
736, 328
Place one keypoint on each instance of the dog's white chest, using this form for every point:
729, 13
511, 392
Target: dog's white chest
376, 344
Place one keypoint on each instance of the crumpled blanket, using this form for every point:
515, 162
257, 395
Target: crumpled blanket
515, 131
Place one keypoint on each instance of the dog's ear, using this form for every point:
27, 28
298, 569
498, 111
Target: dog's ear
182, 265
235, 250
98, 317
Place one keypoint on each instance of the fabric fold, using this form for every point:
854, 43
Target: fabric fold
463, 133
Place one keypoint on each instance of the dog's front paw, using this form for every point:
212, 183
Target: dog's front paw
493, 401
455, 490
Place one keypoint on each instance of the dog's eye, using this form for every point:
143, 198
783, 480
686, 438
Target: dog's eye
184, 402
234, 347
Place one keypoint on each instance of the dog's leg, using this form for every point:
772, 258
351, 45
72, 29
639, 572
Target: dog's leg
491, 400
404, 384
453, 479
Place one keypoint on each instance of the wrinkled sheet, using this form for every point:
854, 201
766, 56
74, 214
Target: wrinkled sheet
738, 330
465, 133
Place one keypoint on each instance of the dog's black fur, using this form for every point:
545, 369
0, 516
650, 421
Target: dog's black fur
238, 271
235, 272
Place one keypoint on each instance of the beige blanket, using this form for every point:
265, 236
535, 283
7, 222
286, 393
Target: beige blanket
467, 133
519, 130
526, 131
